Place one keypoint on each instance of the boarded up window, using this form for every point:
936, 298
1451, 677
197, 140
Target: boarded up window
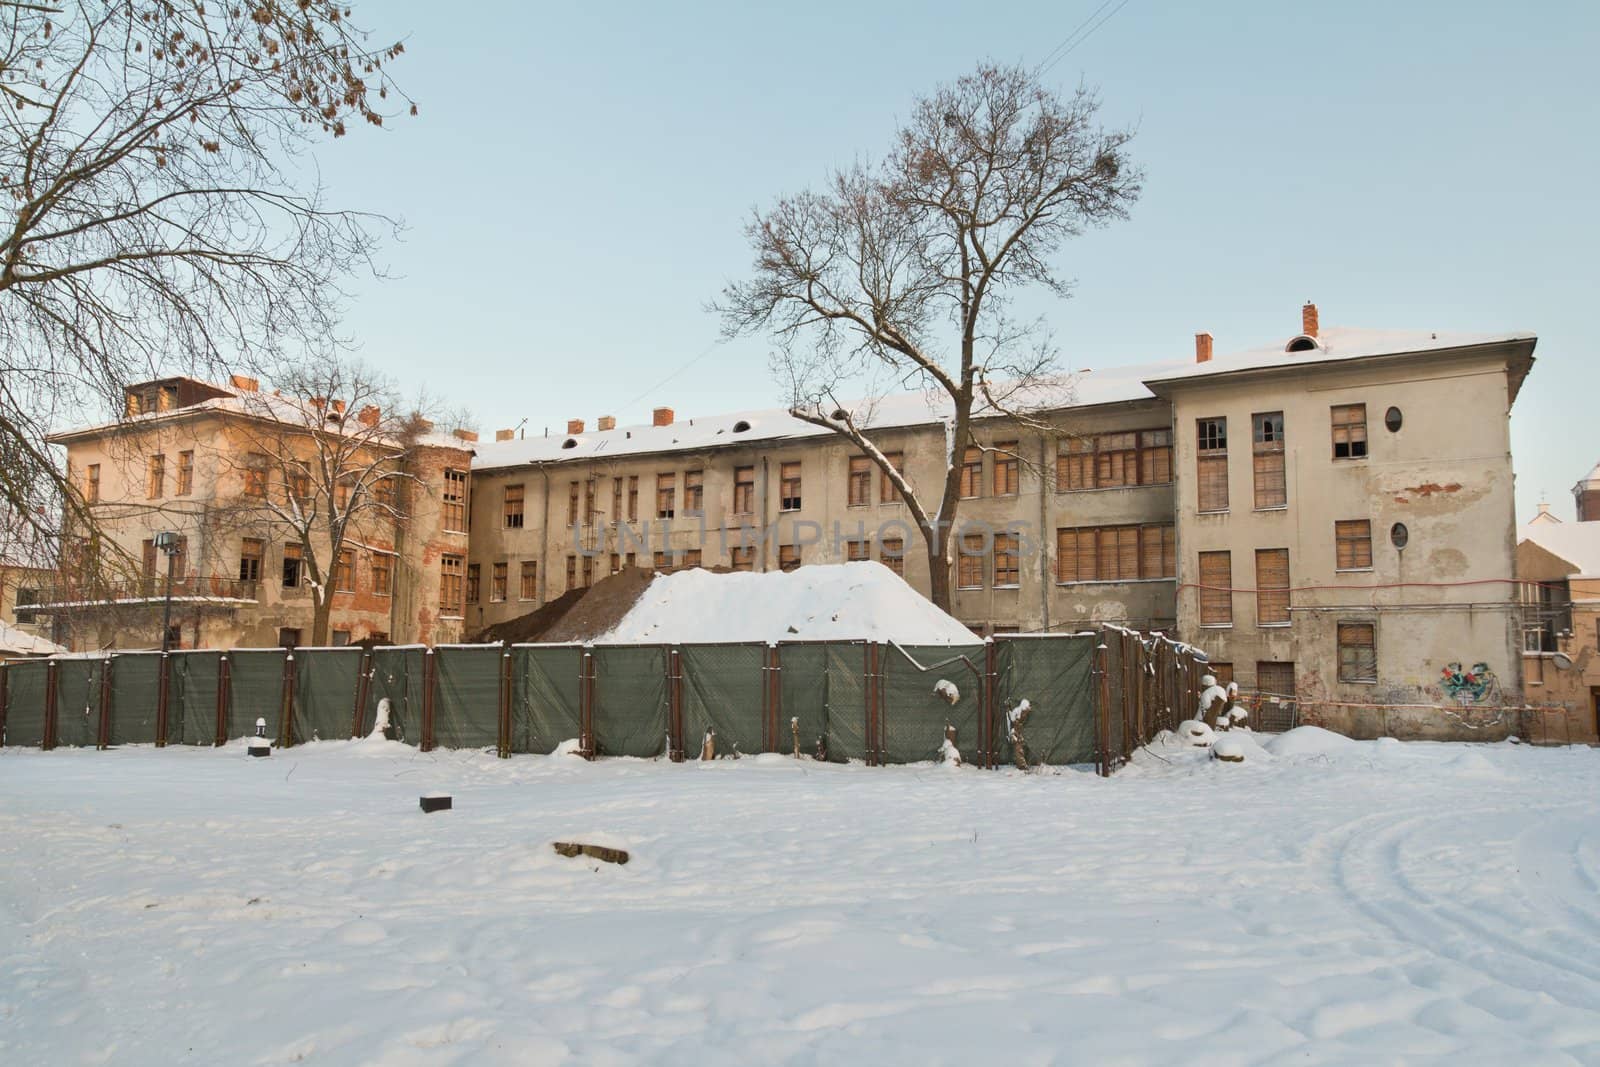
1222, 672
511, 508
1006, 465
1267, 446
887, 493
972, 473
1275, 677
1358, 653
788, 557
1006, 568
744, 490
969, 562
1155, 457
1157, 552
892, 554
633, 497
382, 573
694, 492
529, 587
497, 581
616, 499
474, 580
1075, 464
856, 550
1116, 460
1353, 544
454, 511
789, 486
255, 475
860, 486
1115, 553
1350, 431
1211, 464
1272, 586
744, 559
251, 549
572, 572
451, 569
1216, 589
666, 495
344, 571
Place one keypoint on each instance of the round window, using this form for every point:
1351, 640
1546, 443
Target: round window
1399, 534
1392, 420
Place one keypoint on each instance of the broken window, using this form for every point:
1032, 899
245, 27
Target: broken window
788, 557
744, 559
529, 587
789, 486
633, 498
250, 552
588, 500
1007, 570
1211, 464
744, 490
860, 483
293, 566
666, 494
511, 507
497, 582
1271, 490
1114, 460
1006, 469
1358, 653
694, 492
455, 509
573, 490
1273, 676
451, 569
474, 582
972, 473
616, 500
1349, 431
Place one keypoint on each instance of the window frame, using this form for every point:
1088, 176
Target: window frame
1343, 537
1007, 569
1006, 476
453, 503
156, 477
791, 485
1342, 417
858, 482
971, 478
185, 473
1268, 461
744, 490
1078, 549
382, 566
452, 579
1215, 600
513, 505
970, 565
1273, 602
1346, 674
666, 494
1212, 458
499, 581
528, 580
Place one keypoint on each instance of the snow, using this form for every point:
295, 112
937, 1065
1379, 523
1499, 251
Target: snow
1376, 903
1578, 543
15, 642
947, 690
863, 600
1196, 733
1308, 741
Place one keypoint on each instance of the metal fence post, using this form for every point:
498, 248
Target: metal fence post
1102, 711
163, 694
586, 676
224, 697
505, 700
430, 681
286, 703
102, 734
5, 699
52, 686
674, 705
363, 690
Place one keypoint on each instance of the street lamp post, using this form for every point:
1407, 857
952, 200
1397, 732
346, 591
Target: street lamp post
168, 543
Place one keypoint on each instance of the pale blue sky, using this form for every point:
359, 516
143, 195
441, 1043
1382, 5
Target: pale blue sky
575, 187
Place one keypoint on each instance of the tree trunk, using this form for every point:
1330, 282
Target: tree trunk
938, 572
320, 617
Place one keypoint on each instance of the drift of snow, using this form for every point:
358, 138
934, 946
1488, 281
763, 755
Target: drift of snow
380, 723
947, 689
1377, 904
863, 600
1211, 692
1308, 741
949, 754
1196, 733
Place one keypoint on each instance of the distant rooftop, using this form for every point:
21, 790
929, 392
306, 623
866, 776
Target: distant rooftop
1576, 542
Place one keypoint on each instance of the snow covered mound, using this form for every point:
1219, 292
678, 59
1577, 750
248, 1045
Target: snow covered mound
1308, 741
836, 602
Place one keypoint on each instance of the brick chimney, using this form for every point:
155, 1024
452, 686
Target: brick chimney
243, 384
574, 426
1308, 319
469, 436
504, 435
1202, 348
606, 422
369, 415
661, 417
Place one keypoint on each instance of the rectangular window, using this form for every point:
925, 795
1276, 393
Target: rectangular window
292, 566
299, 485
529, 587
497, 582
1349, 431
663, 562
1358, 653
972, 473
185, 473
1211, 464
616, 563
666, 495
744, 490
691, 557
1216, 589
587, 563
250, 552
572, 573
91, 492
1352, 540
474, 582
341, 638
455, 513
789, 486
382, 573
511, 507
694, 492
26, 595
788, 558
383, 491
256, 475
633, 498
1275, 677
1075, 464
1272, 587
344, 571
887, 493
157, 485
855, 551
288, 637
1116, 460
969, 562
573, 506
1115, 553
892, 554
1271, 491
588, 500
451, 569
1006, 561
1222, 672
1006, 468
341, 492
744, 559
860, 484
616, 500
1155, 457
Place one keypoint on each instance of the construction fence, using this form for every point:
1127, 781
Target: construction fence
1093, 698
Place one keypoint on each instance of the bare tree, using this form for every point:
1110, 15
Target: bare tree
325, 461
901, 274
147, 149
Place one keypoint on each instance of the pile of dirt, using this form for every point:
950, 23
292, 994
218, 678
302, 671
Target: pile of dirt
575, 615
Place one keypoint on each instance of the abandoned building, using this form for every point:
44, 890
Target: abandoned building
1559, 565
1329, 516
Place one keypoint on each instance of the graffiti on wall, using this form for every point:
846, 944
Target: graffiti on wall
1468, 686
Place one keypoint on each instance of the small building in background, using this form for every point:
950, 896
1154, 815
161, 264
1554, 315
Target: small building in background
1558, 565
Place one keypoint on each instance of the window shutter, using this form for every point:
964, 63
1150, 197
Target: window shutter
1272, 586
1216, 594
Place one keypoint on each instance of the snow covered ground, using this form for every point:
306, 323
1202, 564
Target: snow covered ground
1337, 902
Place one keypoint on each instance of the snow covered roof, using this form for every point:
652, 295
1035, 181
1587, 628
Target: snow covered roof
1078, 389
14, 642
1590, 482
1576, 542
1335, 344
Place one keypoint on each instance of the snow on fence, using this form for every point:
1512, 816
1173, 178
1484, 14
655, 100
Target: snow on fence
1092, 698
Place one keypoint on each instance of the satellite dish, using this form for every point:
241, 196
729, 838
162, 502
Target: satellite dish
1562, 661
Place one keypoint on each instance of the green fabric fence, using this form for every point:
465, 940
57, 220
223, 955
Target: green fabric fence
723, 691
78, 701
1055, 674
192, 704
915, 714
325, 693
466, 711
544, 696
630, 694
25, 693
255, 691
396, 677
802, 679
135, 697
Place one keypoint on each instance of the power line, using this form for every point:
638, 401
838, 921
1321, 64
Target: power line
1078, 36
712, 347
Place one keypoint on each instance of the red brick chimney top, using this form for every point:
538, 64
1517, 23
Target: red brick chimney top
1308, 319
606, 422
661, 417
574, 426
1202, 348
